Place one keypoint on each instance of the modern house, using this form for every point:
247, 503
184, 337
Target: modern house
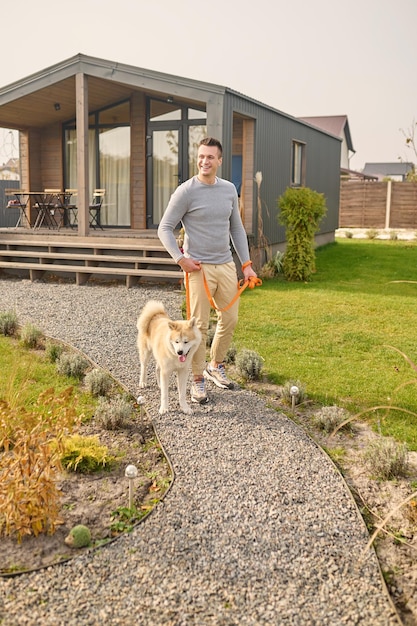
394, 171
88, 123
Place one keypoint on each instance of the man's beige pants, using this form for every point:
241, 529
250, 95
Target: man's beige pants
222, 283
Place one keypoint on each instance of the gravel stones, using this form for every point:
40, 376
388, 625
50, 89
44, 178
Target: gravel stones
257, 529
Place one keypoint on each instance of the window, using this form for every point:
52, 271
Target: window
109, 160
298, 164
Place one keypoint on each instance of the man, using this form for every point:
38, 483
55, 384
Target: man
208, 208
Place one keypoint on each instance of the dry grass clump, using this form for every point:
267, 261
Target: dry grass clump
31, 337
8, 323
70, 364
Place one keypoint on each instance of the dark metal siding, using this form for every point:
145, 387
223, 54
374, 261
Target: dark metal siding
274, 133
8, 217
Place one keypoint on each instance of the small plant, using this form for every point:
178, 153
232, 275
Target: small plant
287, 395
72, 365
111, 414
301, 211
273, 267
348, 234
231, 354
53, 351
98, 382
386, 458
8, 323
30, 336
124, 518
249, 364
393, 235
85, 454
328, 418
78, 537
372, 233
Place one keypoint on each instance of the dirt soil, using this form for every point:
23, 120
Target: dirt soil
91, 500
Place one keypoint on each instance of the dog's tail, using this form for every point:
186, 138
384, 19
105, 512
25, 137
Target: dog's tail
151, 309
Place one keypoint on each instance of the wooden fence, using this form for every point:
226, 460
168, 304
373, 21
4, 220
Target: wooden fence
366, 204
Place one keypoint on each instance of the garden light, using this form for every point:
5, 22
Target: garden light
131, 473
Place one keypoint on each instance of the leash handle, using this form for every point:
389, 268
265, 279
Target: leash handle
252, 282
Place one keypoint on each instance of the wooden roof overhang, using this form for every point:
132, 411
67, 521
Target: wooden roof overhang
85, 84
29, 103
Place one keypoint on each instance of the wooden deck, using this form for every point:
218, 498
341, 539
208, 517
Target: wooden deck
113, 255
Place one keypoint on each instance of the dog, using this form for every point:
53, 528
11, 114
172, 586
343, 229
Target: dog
173, 344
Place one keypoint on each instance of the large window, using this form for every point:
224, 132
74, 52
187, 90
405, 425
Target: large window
298, 164
109, 161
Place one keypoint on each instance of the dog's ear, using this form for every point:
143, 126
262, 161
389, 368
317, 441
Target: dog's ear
191, 322
172, 325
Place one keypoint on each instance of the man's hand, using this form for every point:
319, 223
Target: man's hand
189, 265
248, 272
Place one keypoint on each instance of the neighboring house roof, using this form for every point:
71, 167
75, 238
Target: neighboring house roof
337, 125
388, 169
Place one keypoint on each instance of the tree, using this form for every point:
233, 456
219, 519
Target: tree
411, 144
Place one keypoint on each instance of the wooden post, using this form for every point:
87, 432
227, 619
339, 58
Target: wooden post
81, 94
388, 206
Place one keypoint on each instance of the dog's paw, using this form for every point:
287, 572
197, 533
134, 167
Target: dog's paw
142, 385
187, 409
163, 410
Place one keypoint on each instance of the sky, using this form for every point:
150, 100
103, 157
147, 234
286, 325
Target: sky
305, 58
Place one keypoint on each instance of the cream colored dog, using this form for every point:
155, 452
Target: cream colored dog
173, 344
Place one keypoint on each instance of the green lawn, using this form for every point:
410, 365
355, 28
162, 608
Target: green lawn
333, 334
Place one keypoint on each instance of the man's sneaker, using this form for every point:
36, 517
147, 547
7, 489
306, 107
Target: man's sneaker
198, 391
217, 375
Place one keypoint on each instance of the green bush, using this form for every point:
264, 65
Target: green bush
111, 414
8, 323
30, 336
70, 364
85, 454
286, 392
98, 382
301, 211
53, 351
386, 458
249, 364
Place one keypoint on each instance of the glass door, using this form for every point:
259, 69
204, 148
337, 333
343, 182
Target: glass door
164, 169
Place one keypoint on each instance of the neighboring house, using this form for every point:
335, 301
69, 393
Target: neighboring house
10, 170
337, 125
393, 171
89, 123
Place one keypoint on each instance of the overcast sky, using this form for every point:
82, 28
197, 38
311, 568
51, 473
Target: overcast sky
304, 57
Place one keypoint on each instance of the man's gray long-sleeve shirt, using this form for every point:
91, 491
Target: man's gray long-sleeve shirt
210, 216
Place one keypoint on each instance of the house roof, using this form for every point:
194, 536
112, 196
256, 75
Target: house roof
336, 125
30, 101
388, 169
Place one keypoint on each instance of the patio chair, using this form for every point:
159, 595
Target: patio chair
95, 208
71, 208
19, 202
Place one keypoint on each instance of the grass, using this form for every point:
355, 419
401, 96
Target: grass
27, 374
334, 333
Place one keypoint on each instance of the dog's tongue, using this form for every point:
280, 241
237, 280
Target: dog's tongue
182, 358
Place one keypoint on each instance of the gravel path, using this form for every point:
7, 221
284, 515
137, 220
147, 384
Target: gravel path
258, 528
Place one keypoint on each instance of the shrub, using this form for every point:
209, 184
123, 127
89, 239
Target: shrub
231, 354
372, 233
111, 414
30, 336
348, 234
98, 382
274, 267
249, 364
53, 351
30, 463
330, 417
301, 210
84, 454
386, 458
70, 364
8, 323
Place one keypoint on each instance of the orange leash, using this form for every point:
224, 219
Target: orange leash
252, 282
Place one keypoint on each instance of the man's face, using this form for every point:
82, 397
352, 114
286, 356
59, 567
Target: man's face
208, 161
